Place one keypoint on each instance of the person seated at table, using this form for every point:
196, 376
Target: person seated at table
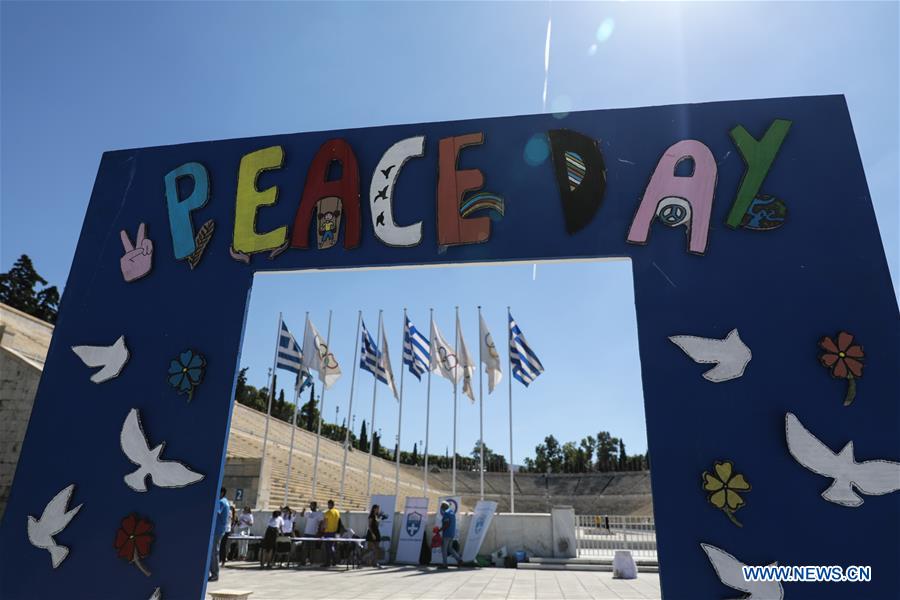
330, 528
373, 538
273, 529
245, 522
312, 528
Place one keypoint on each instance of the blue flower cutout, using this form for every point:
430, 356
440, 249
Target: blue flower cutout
186, 372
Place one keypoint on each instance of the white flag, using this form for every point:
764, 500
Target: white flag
317, 357
466, 364
384, 365
443, 358
490, 357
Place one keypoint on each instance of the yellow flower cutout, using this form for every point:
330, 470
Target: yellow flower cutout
724, 486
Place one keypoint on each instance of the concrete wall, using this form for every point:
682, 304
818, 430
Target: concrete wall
23, 348
543, 535
242, 474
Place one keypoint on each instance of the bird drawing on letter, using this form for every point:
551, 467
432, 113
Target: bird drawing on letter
54, 519
729, 570
872, 477
164, 473
380, 219
382, 193
387, 172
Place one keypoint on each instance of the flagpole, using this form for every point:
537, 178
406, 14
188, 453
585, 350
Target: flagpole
512, 486
350, 409
480, 402
428, 396
400, 414
262, 460
287, 481
321, 403
372, 423
455, 386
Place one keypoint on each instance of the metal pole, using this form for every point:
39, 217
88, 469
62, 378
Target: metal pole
512, 485
400, 414
321, 405
262, 460
287, 481
428, 395
350, 409
480, 402
455, 391
372, 424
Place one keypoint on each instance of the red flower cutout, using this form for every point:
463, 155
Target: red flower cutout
845, 359
133, 540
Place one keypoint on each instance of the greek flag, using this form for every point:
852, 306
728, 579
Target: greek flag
525, 364
368, 353
415, 350
290, 358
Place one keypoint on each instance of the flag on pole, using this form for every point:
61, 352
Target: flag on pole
444, 361
490, 357
525, 364
466, 364
316, 356
290, 358
376, 361
386, 374
416, 350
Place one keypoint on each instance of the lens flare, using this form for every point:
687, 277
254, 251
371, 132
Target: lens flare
536, 150
605, 31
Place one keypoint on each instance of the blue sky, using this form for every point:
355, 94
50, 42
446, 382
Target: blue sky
79, 79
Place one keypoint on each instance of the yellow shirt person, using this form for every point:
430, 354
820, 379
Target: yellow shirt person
332, 517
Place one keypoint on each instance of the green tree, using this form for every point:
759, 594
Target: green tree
415, 454
587, 449
363, 438
622, 456
607, 451
17, 289
309, 413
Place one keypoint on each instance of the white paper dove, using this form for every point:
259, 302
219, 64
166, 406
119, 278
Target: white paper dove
730, 355
729, 570
111, 358
872, 477
54, 519
164, 473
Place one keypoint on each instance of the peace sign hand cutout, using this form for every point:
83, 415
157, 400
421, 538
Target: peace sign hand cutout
138, 258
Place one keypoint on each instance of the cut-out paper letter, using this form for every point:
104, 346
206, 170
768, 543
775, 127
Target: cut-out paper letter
180, 223
730, 355
665, 188
381, 194
580, 176
249, 199
330, 199
111, 358
54, 519
731, 573
758, 156
163, 473
138, 257
872, 477
453, 228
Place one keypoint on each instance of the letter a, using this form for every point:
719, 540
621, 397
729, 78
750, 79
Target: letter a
691, 196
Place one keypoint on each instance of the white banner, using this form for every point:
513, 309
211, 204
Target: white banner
436, 556
479, 523
412, 529
388, 505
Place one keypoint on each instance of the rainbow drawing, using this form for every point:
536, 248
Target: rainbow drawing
575, 169
481, 201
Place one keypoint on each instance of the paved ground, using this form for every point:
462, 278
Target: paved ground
412, 583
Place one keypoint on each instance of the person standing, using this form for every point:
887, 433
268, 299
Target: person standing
223, 516
245, 523
373, 537
312, 528
229, 526
331, 524
448, 533
270, 539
